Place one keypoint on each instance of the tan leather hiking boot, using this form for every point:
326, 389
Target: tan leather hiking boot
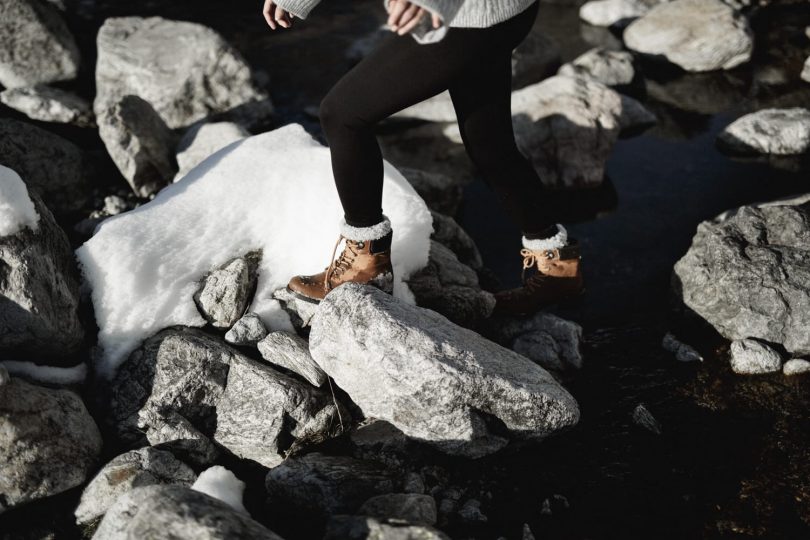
361, 261
558, 277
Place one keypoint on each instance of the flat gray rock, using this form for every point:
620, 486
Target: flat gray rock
292, 352
248, 330
48, 442
751, 357
438, 383
779, 132
48, 104
35, 44
612, 68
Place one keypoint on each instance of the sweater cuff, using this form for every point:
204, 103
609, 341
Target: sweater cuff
424, 33
299, 8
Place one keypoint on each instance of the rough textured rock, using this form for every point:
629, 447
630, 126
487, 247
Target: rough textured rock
409, 507
48, 442
49, 104
186, 71
779, 132
367, 528
567, 127
438, 382
248, 330
35, 44
451, 288
751, 357
327, 484
144, 467
796, 366
167, 429
449, 233
748, 275
139, 142
176, 513
39, 290
682, 351
225, 293
697, 35
204, 139
300, 311
200, 384
551, 341
47, 163
612, 68
642, 417
614, 12
440, 192
291, 352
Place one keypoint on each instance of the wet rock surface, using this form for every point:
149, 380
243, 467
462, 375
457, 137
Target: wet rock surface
769, 131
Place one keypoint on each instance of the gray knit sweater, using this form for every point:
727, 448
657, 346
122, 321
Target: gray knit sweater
454, 13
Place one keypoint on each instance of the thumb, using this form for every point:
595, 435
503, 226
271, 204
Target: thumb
437, 21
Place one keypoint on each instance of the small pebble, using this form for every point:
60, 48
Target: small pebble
644, 418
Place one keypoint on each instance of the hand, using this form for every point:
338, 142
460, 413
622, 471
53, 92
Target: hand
403, 16
274, 15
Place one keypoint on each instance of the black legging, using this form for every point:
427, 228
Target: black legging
475, 64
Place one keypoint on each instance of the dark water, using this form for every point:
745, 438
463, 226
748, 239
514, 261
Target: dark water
732, 460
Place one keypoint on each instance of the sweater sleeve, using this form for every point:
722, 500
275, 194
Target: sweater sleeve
299, 8
446, 9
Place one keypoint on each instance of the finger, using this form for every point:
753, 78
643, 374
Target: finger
281, 17
407, 15
268, 13
412, 23
437, 21
397, 7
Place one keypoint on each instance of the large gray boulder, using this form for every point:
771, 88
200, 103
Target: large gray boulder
176, 513
49, 164
35, 44
48, 104
435, 381
697, 35
48, 442
748, 274
39, 290
198, 383
780, 132
137, 468
186, 71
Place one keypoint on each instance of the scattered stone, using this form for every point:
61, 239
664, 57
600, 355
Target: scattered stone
440, 192
248, 330
170, 431
35, 44
367, 528
176, 513
300, 311
796, 366
751, 357
697, 35
327, 484
225, 293
780, 132
143, 467
204, 139
614, 12
49, 104
48, 442
746, 275
682, 351
292, 352
408, 507
39, 290
611, 68
140, 144
5, 378
439, 383
449, 233
114, 205
451, 288
551, 341
555, 502
187, 72
643, 417
471, 512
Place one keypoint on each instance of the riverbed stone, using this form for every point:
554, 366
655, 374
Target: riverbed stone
796, 366
751, 357
697, 35
806, 70
614, 12
612, 68
203, 140
747, 273
439, 383
35, 44
48, 442
186, 71
292, 352
49, 104
551, 341
780, 132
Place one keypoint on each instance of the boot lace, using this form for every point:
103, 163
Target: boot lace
342, 263
531, 258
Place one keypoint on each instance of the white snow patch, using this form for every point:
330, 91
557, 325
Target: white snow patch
46, 374
222, 484
16, 208
274, 192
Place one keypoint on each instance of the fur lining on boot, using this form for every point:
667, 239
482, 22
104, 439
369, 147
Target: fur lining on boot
364, 234
542, 244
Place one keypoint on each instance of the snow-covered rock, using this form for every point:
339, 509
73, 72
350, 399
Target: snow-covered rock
408, 507
222, 484
289, 351
137, 468
612, 68
272, 192
139, 142
697, 35
614, 12
435, 381
225, 293
39, 292
248, 330
48, 442
47, 375
204, 139
746, 273
49, 164
48, 104
751, 357
796, 366
35, 44
176, 513
186, 71
342, 527
551, 341
780, 132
